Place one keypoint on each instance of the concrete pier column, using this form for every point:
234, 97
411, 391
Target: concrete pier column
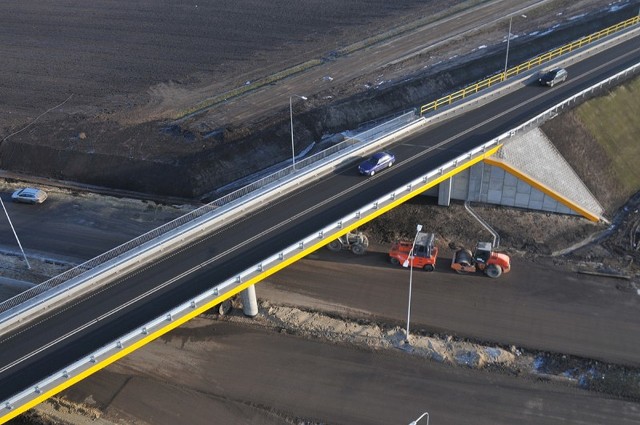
444, 193
477, 188
249, 301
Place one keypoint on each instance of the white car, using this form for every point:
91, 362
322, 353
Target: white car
29, 195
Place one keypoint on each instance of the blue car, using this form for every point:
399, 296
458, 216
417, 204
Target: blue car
377, 162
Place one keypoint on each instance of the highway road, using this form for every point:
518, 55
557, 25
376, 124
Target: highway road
323, 202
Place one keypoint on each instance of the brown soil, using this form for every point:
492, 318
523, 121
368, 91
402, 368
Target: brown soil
107, 114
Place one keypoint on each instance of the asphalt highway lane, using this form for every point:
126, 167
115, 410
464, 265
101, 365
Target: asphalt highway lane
485, 123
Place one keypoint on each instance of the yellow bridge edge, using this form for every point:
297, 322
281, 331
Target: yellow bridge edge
256, 279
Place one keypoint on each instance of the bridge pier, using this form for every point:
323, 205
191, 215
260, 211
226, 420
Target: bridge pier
249, 301
444, 192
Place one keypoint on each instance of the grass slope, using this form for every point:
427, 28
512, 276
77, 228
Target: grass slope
613, 122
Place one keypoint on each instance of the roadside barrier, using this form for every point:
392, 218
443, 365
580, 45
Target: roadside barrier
526, 66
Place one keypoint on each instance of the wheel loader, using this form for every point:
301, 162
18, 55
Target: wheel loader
484, 259
354, 242
425, 252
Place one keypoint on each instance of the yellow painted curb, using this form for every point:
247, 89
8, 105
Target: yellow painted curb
256, 279
542, 187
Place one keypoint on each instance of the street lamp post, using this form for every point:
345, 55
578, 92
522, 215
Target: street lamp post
16, 235
409, 262
293, 149
506, 59
421, 416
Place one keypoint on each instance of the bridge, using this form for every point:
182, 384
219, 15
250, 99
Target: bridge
176, 274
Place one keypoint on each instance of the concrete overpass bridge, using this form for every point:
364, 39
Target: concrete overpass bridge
143, 289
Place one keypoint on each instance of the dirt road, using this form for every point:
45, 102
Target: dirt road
217, 372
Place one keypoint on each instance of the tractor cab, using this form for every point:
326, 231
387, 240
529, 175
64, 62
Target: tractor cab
483, 252
425, 252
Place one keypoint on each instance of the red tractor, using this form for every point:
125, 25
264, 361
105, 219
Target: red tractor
424, 253
493, 264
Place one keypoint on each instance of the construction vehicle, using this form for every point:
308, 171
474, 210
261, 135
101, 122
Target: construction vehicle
354, 242
493, 264
425, 252
224, 308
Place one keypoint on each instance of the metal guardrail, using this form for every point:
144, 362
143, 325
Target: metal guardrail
581, 96
363, 137
526, 66
127, 343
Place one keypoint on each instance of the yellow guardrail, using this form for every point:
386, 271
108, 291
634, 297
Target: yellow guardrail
545, 57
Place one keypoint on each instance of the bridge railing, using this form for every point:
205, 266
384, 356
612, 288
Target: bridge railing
181, 313
364, 138
526, 66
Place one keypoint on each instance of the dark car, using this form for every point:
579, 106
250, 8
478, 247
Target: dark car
377, 162
553, 77
29, 195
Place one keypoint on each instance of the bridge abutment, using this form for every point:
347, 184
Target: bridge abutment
528, 172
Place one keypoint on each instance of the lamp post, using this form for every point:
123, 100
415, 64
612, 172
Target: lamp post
506, 59
421, 416
16, 235
293, 149
409, 262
